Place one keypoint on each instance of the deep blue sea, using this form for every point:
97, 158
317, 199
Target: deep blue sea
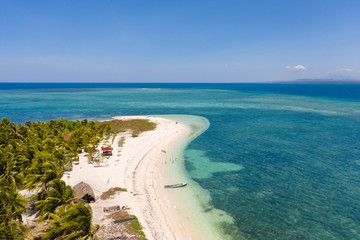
297, 146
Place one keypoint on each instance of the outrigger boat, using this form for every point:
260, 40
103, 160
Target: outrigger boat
176, 185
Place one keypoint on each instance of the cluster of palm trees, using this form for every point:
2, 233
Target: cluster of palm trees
34, 156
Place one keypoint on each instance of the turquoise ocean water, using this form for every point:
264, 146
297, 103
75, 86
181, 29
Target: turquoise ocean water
282, 160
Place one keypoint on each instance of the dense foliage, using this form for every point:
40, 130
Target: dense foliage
136, 125
34, 156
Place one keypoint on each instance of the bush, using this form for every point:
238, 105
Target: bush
135, 133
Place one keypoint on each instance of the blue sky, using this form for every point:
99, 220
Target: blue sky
178, 41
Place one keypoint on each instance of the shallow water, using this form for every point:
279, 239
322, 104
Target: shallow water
282, 162
192, 203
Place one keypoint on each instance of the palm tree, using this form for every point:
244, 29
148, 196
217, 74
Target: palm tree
12, 205
43, 170
70, 149
72, 222
14, 230
59, 194
8, 167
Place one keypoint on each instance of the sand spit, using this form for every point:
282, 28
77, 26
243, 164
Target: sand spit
137, 167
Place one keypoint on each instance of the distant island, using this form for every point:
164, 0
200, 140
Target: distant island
322, 81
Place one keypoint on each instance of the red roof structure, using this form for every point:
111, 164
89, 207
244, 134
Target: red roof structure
106, 149
67, 136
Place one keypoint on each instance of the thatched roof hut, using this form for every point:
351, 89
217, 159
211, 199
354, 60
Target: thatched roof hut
84, 191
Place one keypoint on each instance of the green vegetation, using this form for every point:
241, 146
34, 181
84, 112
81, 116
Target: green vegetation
71, 222
111, 192
135, 133
59, 194
140, 125
34, 156
12, 205
121, 142
136, 227
130, 223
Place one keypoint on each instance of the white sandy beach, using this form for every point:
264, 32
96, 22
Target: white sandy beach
137, 166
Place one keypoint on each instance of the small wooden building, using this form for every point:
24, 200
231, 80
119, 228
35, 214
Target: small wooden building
84, 191
107, 151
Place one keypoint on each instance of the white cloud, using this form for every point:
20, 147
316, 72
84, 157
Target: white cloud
344, 70
297, 67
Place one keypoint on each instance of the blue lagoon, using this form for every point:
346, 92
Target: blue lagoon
280, 160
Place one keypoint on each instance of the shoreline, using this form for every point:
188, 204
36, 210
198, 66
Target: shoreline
193, 205
150, 198
143, 166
